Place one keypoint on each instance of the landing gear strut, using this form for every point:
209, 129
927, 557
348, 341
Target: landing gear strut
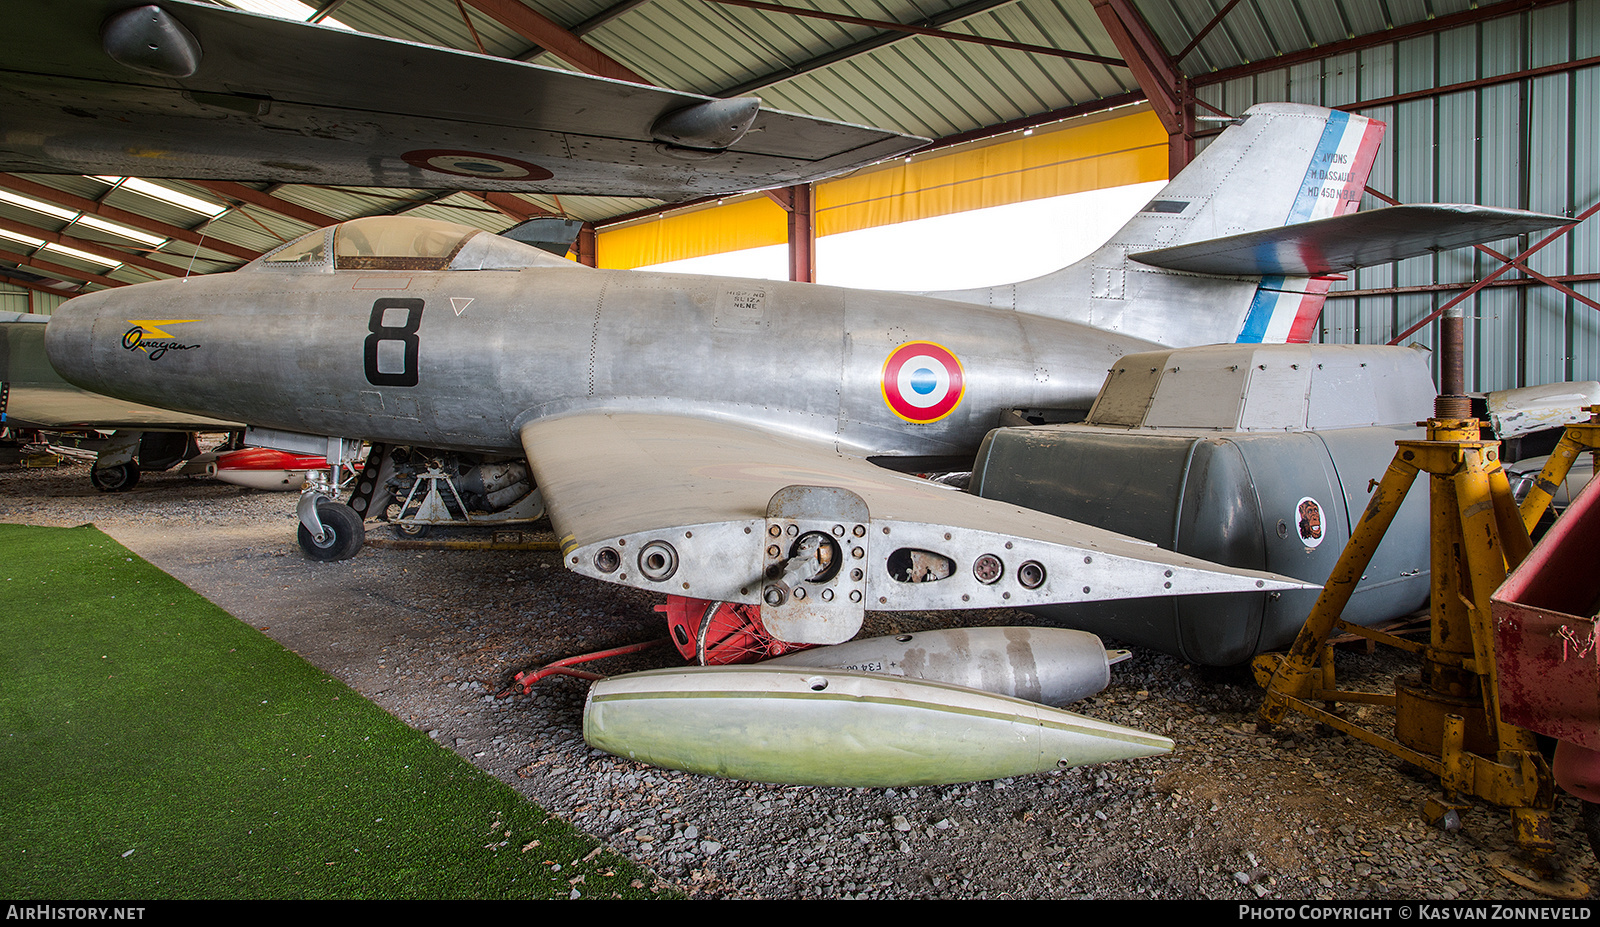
331, 530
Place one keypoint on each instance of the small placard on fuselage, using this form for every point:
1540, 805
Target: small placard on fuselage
741, 308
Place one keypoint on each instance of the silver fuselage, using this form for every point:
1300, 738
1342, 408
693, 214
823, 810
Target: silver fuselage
494, 349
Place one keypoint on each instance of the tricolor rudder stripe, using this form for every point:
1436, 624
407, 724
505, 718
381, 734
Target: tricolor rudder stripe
1337, 175
922, 381
1334, 183
1278, 315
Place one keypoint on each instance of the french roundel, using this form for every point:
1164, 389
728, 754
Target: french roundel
922, 381
474, 164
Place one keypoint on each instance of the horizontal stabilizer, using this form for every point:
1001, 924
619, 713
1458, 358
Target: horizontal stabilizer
1341, 243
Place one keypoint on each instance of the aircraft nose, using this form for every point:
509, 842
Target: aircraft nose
68, 339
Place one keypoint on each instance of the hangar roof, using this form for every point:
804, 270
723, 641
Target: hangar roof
939, 68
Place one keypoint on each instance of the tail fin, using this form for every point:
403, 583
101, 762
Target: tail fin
1284, 164
1284, 308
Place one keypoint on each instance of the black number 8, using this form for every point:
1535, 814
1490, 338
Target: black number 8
405, 334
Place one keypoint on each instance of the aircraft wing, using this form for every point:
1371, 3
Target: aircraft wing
274, 100
723, 510
1357, 239
33, 395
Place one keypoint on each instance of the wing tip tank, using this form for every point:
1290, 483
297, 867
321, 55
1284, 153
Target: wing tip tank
805, 726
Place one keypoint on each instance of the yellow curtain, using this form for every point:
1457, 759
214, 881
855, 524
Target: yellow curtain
747, 222
1085, 154
1092, 153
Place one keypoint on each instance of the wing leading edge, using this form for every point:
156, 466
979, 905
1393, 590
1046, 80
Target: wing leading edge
727, 511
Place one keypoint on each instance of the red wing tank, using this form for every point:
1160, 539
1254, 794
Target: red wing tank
710, 437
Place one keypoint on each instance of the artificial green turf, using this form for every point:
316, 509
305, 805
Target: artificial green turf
155, 747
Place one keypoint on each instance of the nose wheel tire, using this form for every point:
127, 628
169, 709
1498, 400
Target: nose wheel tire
120, 478
343, 533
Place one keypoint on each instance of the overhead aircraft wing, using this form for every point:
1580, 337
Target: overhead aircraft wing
723, 511
33, 395
1357, 239
199, 91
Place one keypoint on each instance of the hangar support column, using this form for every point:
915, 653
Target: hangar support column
1163, 84
800, 204
588, 246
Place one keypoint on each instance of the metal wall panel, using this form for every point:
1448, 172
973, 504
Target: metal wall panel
14, 300
19, 299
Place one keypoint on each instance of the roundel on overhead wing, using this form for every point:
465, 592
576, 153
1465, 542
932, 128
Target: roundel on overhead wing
474, 164
922, 381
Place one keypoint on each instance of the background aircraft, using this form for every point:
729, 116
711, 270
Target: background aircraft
194, 90
710, 437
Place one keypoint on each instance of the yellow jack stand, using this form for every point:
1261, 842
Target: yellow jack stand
1447, 719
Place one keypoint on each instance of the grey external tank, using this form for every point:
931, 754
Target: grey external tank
1254, 456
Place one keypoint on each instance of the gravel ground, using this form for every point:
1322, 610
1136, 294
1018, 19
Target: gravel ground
1236, 812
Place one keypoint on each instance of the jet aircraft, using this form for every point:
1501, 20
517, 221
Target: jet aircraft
716, 438
199, 91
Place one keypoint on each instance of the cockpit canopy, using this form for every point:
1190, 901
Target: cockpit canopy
405, 243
